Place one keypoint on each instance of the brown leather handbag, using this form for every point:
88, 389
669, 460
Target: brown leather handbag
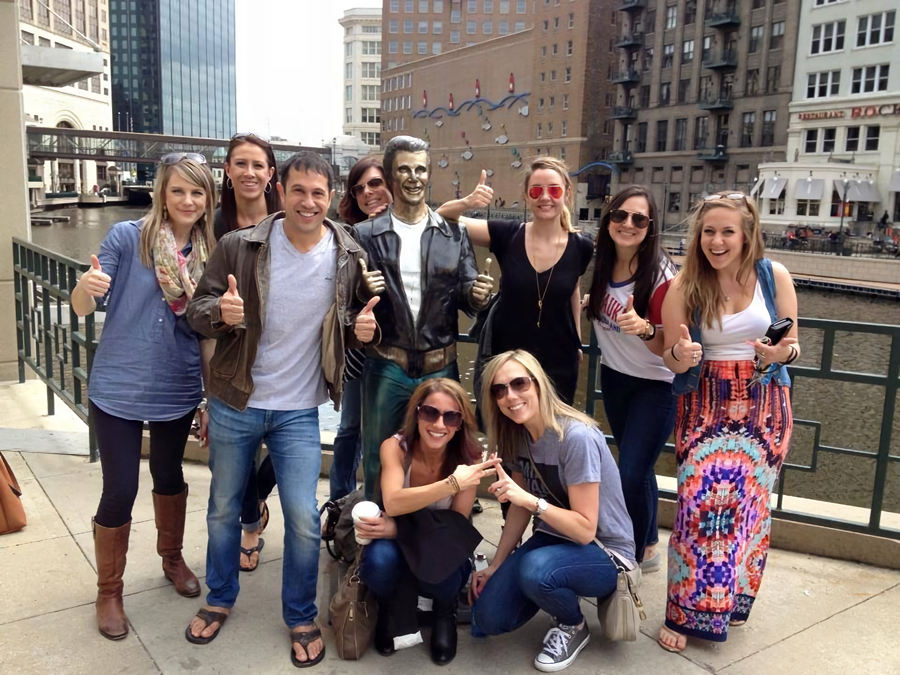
12, 513
354, 612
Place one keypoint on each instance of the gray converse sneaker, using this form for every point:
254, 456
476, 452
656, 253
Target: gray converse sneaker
561, 647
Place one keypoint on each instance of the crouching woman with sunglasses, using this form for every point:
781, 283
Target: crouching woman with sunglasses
565, 477
427, 468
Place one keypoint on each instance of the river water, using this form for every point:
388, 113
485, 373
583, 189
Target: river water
850, 414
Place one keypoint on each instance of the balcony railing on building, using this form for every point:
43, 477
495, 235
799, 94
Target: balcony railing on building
721, 102
620, 157
631, 5
630, 41
727, 19
626, 76
623, 112
725, 60
717, 154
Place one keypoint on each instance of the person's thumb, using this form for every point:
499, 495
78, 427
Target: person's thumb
685, 333
363, 266
630, 304
370, 306
483, 177
95, 263
487, 267
232, 284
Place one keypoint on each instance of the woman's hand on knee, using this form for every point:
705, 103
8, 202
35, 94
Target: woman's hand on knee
380, 527
479, 579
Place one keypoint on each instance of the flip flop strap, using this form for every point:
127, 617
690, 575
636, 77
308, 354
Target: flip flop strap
306, 638
209, 617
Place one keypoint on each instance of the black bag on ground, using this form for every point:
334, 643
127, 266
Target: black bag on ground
338, 532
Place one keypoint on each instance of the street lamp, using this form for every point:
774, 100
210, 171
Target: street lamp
846, 183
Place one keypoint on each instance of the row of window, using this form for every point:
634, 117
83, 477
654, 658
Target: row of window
397, 82
552, 76
368, 70
701, 138
421, 47
873, 29
554, 50
564, 129
690, 13
369, 48
366, 115
552, 103
864, 80
856, 139
706, 91
397, 103
394, 124
373, 30
555, 22
472, 6
368, 93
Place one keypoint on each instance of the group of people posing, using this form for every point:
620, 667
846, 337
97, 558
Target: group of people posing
251, 315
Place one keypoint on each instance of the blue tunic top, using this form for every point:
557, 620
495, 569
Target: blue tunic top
147, 366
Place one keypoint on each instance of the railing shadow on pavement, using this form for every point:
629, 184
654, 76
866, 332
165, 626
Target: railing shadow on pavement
59, 347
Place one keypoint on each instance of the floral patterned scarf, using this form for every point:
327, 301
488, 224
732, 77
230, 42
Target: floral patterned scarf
178, 274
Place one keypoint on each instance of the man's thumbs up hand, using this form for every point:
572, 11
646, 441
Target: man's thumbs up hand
231, 304
374, 280
365, 323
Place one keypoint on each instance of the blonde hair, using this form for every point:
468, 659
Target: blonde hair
506, 437
559, 167
697, 279
193, 172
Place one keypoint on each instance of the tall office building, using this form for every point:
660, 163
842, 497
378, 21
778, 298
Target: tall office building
843, 141
703, 93
173, 67
362, 74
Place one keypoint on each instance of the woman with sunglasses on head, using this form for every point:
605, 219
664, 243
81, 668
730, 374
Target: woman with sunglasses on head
631, 278
734, 419
147, 369
249, 195
541, 262
564, 477
430, 464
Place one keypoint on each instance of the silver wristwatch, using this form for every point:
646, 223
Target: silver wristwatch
541, 507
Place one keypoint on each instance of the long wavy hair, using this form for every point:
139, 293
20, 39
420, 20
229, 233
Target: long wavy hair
697, 279
508, 438
229, 204
191, 171
349, 208
650, 256
560, 168
462, 448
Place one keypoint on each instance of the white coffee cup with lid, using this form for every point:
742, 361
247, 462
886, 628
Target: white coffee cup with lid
364, 510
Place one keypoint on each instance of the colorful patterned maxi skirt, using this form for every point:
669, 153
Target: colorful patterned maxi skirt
731, 437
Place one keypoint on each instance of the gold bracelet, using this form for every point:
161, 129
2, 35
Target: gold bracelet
453, 483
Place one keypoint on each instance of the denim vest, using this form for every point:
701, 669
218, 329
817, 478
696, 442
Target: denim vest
687, 382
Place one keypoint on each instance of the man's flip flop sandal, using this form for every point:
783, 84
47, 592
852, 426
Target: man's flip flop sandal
250, 551
208, 618
306, 639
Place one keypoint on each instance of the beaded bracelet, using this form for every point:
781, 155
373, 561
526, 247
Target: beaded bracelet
453, 483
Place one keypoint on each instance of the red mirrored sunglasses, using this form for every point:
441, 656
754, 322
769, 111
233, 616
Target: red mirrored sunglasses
535, 191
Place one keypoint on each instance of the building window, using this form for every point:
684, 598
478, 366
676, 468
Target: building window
504, 6
455, 16
776, 206
811, 144
648, 58
407, 47
565, 128
503, 28
392, 47
668, 56
371, 48
521, 6
519, 27
829, 136
549, 128
707, 48
488, 6
662, 132
395, 6
644, 96
471, 27
875, 29
472, 6
687, 51
568, 75
348, 71
371, 70
408, 26
777, 37
438, 6
552, 103
540, 130
423, 28
393, 26
487, 27
748, 128
423, 48
571, 20
807, 207
773, 78
680, 134
435, 47
852, 142
665, 93
642, 138
683, 86
370, 137
454, 37
408, 6
437, 27
869, 79
369, 115
701, 131
690, 12
768, 129
423, 6
828, 37
372, 29
671, 16
872, 134
553, 76
756, 37
822, 85
369, 92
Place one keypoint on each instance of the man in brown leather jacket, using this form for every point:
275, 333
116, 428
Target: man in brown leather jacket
277, 299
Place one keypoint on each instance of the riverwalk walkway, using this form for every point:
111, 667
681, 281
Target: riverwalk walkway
814, 616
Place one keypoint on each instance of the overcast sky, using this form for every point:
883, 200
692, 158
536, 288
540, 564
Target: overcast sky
289, 67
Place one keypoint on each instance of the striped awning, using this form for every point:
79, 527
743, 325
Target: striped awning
774, 188
809, 189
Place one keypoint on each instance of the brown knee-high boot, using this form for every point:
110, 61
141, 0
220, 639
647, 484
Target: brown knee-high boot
170, 511
110, 549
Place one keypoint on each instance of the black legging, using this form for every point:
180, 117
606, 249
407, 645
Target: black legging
119, 441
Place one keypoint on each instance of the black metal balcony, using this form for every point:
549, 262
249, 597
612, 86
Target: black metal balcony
621, 157
726, 60
631, 5
622, 112
630, 41
727, 19
718, 154
720, 103
626, 77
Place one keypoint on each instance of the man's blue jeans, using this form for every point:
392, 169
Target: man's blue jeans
547, 573
386, 393
292, 438
347, 442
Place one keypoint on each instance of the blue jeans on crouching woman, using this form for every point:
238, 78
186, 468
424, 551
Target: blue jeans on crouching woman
548, 573
383, 567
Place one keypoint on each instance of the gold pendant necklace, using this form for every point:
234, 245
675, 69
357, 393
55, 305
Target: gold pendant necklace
537, 280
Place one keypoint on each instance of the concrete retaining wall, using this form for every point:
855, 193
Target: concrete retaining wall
838, 267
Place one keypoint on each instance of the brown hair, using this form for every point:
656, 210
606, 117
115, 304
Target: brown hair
349, 208
228, 203
559, 167
697, 279
462, 448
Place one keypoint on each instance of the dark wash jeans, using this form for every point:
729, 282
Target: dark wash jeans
641, 413
347, 442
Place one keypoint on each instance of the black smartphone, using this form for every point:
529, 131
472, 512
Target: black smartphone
778, 330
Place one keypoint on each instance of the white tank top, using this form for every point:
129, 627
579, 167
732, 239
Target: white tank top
441, 504
728, 344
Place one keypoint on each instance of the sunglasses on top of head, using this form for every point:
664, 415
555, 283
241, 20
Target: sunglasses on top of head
518, 384
175, 157
619, 216
250, 134
535, 191
429, 414
372, 184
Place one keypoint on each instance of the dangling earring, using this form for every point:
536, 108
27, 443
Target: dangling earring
165, 213
229, 184
268, 188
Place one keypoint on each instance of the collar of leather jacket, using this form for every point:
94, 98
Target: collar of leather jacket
382, 223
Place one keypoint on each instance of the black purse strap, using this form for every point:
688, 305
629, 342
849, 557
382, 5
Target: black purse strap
563, 504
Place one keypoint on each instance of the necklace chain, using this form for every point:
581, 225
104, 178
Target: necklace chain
537, 280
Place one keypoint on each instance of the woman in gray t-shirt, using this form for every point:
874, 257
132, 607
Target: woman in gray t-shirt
564, 476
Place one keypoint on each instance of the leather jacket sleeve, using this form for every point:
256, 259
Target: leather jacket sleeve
468, 271
203, 311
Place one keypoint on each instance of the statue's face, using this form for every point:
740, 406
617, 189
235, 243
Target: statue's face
410, 177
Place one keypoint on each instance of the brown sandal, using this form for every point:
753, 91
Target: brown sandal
208, 617
306, 638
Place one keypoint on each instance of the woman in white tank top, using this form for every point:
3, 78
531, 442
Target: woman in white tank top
734, 418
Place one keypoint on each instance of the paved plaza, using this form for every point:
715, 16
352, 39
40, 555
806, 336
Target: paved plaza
814, 615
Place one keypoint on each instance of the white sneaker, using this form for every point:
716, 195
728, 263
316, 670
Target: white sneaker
561, 647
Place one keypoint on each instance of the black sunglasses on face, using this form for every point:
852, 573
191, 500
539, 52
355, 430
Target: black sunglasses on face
518, 384
175, 157
619, 216
372, 184
429, 414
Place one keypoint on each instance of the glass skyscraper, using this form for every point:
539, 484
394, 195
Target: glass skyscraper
173, 67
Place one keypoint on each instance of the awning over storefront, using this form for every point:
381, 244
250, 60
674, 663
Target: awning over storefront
895, 182
758, 184
774, 188
839, 186
809, 188
867, 192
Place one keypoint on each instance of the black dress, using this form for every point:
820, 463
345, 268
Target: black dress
555, 342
